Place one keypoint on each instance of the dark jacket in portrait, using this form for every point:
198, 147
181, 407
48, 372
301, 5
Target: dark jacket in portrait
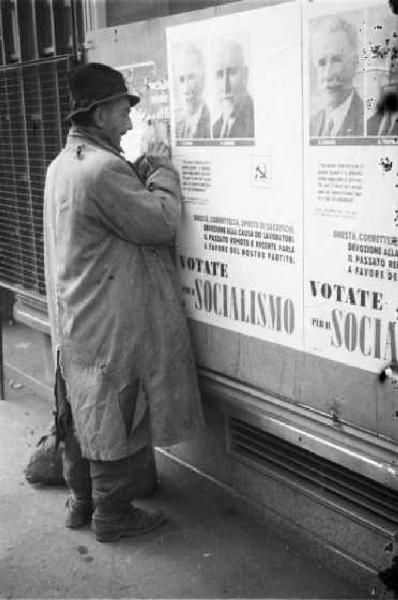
202, 129
373, 125
243, 126
352, 125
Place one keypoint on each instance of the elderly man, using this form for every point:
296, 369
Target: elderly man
126, 371
335, 57
189, 69
231, 77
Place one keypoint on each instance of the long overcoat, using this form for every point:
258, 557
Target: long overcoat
116, 315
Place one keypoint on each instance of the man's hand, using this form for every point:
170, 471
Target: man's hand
155, 152
147, 164
154, 140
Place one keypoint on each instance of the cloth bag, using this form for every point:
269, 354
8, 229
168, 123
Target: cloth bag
45, 464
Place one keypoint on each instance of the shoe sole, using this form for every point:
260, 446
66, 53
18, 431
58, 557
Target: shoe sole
78, 525
115, 537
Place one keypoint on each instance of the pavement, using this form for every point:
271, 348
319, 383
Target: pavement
207, 549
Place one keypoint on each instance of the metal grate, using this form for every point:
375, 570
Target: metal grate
33, 104
264, 450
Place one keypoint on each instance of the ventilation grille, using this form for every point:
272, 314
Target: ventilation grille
33, 104
265, 450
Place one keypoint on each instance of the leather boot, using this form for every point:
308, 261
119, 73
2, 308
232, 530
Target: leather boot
131, 523
115, 486
77, 513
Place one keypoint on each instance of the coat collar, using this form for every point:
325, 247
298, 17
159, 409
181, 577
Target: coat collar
79, 135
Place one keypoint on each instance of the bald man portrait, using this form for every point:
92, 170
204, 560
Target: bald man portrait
231, 78
334, 47
194, 122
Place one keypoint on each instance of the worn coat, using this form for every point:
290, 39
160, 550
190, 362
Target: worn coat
115, 312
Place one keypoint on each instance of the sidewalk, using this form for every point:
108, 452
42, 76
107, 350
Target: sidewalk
206, 550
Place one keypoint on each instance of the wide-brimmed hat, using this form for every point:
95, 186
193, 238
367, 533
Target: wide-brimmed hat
95, 83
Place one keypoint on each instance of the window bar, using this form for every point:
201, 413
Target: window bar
28, 191
16, 57
36, 160
8, 149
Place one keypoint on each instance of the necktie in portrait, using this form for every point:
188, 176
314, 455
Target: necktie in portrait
225, 130
327, 131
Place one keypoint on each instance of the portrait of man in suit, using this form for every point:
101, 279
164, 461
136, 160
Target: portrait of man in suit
231, 78
385, 121
194, 119
334, 50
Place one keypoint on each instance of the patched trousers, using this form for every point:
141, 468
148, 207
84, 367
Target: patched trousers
110, 486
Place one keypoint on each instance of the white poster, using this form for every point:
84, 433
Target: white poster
236, 127
284, 127
351, 195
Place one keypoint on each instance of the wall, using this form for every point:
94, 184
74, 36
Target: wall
344, 400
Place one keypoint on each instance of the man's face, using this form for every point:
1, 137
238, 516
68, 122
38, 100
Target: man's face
336, 63
115, 119
231, 77
190, 78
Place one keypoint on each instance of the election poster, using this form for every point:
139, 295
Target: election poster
284, 128
350, 223
236, 130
